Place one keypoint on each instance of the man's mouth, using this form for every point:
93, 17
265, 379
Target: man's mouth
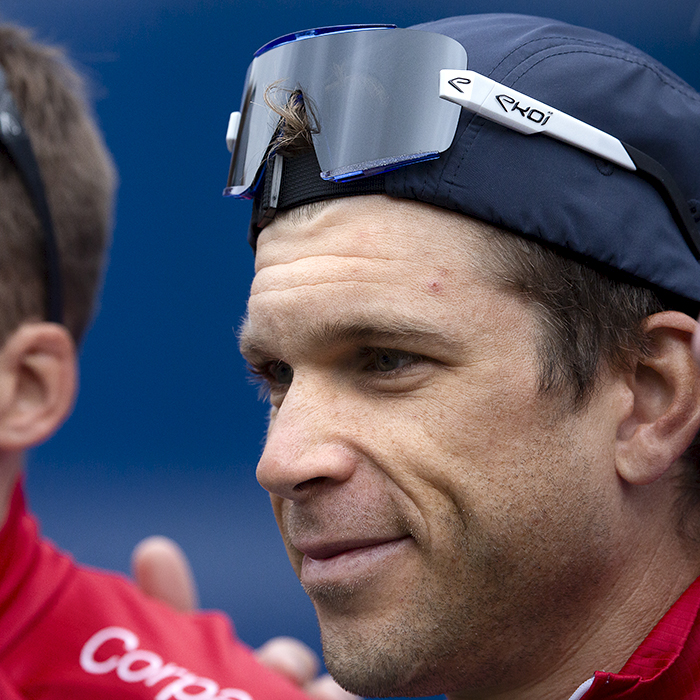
346, 561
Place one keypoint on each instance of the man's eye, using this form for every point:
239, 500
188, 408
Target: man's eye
274, 378
384, 360
281, 373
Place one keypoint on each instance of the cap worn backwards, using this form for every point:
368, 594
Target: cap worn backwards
547, 190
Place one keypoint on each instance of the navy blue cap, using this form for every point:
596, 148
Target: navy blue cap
544, 189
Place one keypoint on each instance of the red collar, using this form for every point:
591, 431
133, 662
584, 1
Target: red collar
667, 664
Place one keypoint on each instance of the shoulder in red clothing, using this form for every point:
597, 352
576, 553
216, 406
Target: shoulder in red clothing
94, 634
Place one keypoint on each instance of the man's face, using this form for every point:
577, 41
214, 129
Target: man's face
449, 522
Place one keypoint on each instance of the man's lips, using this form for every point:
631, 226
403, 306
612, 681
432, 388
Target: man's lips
344, 561
326, 550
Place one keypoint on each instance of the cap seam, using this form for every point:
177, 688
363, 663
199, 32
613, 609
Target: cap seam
609, 54
610, 51
478, 123
554, 37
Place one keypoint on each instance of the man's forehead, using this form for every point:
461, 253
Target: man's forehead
381, 271
375, 226
368, 248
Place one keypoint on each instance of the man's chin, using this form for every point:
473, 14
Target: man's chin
364, 666
355, 678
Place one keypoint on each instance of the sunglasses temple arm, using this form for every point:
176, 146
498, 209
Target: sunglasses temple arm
15, 141
522, 113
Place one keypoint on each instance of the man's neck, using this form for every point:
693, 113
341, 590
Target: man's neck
609, 649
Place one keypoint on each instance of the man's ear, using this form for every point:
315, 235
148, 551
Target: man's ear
665, 411
38, 382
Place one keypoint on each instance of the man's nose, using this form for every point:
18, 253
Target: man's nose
307, 444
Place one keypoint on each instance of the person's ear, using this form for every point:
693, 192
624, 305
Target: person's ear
696, 343
38, 382
665, 410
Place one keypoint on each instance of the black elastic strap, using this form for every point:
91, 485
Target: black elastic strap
655, 174
14, 139
291, 181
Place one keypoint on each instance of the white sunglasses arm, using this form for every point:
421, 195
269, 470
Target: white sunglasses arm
517, 111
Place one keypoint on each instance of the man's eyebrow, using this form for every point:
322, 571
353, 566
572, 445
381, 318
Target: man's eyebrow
248, 344
387, 331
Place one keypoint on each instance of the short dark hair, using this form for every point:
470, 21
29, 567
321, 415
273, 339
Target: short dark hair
79, 179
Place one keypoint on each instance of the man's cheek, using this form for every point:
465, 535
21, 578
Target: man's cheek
277, 506
295, 556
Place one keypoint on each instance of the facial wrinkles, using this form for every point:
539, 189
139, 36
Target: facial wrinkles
372, 504
347, 273
366, 310
415, 477
337, 264
480, 562
379, 516
358, 290
491, 417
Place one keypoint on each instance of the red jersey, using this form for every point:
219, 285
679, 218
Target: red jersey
68, 633
667, 664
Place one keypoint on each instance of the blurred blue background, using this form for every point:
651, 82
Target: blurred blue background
167, 429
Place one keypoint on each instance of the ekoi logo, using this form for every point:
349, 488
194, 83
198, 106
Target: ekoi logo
510, 104
134, 665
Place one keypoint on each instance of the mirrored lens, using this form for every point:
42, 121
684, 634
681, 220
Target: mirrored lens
372, 95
